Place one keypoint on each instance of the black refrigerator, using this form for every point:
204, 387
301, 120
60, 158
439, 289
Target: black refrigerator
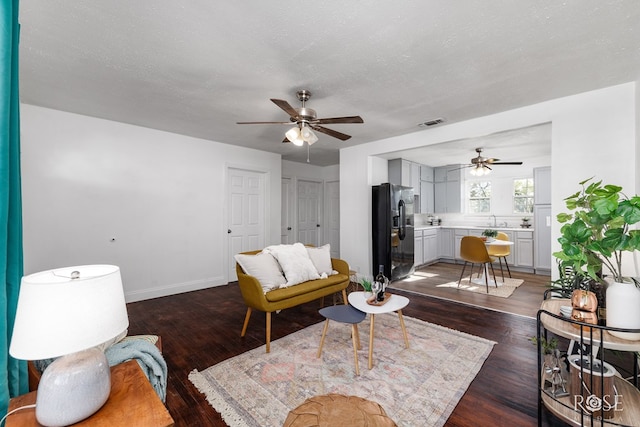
392, 232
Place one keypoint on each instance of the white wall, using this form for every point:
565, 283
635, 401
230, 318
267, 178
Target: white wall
86, 181
593, 133
310, 172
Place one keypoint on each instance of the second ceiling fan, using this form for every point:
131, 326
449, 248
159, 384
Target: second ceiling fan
483, 165
307, 119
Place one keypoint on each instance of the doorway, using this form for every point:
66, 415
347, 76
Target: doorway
332, 214
309, 203
287, 232
246, 214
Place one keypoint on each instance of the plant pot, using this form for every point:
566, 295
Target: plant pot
623, 309
589, 378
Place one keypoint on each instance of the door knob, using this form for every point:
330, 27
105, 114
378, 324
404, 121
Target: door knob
289, 228
318, 225
228, 231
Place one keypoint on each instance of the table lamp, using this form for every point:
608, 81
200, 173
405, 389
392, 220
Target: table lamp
68, 312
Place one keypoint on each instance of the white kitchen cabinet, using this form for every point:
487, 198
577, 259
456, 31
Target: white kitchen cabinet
542, 241
404, 172
542, 186
426, 173
448, 189
440, 174
455, 173
446, 248
524, 249
447, 197
430, 245
427, 197
454, 197
399, 172
418, 257
511, 257
521, 255
542, 220
414, 177
427, 191
440, 197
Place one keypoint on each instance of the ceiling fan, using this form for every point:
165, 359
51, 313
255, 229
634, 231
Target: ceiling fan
305, 120
482, 165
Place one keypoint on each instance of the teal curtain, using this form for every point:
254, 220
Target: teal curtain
13, 373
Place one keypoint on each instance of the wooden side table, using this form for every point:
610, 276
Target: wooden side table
132, 401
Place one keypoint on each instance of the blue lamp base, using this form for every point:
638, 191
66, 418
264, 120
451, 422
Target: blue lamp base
73, 388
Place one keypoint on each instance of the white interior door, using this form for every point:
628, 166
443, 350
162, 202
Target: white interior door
246, 230
333, 217
287, 219
309, 202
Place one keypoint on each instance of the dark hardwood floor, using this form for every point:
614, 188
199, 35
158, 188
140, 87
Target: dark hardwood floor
202, 328
525, 300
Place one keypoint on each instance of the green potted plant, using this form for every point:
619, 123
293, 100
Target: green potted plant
547, 346
489, 234
366, 285
594, 237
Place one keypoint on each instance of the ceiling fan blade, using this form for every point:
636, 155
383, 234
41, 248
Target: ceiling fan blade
286, 107
336, 120
263, 123
506, 163
461, 167
330, 132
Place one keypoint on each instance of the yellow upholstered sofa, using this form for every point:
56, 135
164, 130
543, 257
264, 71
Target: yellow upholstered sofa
256, 298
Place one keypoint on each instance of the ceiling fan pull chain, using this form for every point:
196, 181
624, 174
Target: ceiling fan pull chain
308, 152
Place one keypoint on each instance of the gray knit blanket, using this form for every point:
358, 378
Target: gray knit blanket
148, 357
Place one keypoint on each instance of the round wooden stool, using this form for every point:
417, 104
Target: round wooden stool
335, 410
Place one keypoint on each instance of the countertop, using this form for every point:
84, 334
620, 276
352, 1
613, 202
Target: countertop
469, 227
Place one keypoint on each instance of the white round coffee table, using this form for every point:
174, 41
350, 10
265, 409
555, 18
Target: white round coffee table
395, 303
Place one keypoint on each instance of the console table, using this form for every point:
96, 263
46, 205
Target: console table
132, 401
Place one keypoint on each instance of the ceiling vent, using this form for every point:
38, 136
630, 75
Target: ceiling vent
430, 123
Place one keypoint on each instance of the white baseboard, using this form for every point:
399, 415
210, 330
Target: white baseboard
178, 288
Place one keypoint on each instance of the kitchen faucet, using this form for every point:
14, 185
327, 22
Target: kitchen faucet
495, 223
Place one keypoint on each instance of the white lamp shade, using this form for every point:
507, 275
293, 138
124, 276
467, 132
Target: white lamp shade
479, 170
58, 315
294, 136
308, 135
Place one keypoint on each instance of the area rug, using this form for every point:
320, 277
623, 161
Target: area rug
418, 386
504, 289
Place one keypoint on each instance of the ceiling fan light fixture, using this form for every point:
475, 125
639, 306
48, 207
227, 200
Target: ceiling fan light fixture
308, 135
480, 170
294, 136
303, 117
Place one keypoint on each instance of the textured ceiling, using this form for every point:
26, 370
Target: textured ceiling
197, 67
531, 145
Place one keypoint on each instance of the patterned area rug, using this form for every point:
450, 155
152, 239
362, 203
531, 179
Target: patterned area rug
419, 386
504, 289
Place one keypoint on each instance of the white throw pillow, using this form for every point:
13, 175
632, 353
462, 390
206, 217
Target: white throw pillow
321, 258
295, 262
264, 267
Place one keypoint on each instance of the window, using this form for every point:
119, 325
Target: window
480, 196
523, 195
